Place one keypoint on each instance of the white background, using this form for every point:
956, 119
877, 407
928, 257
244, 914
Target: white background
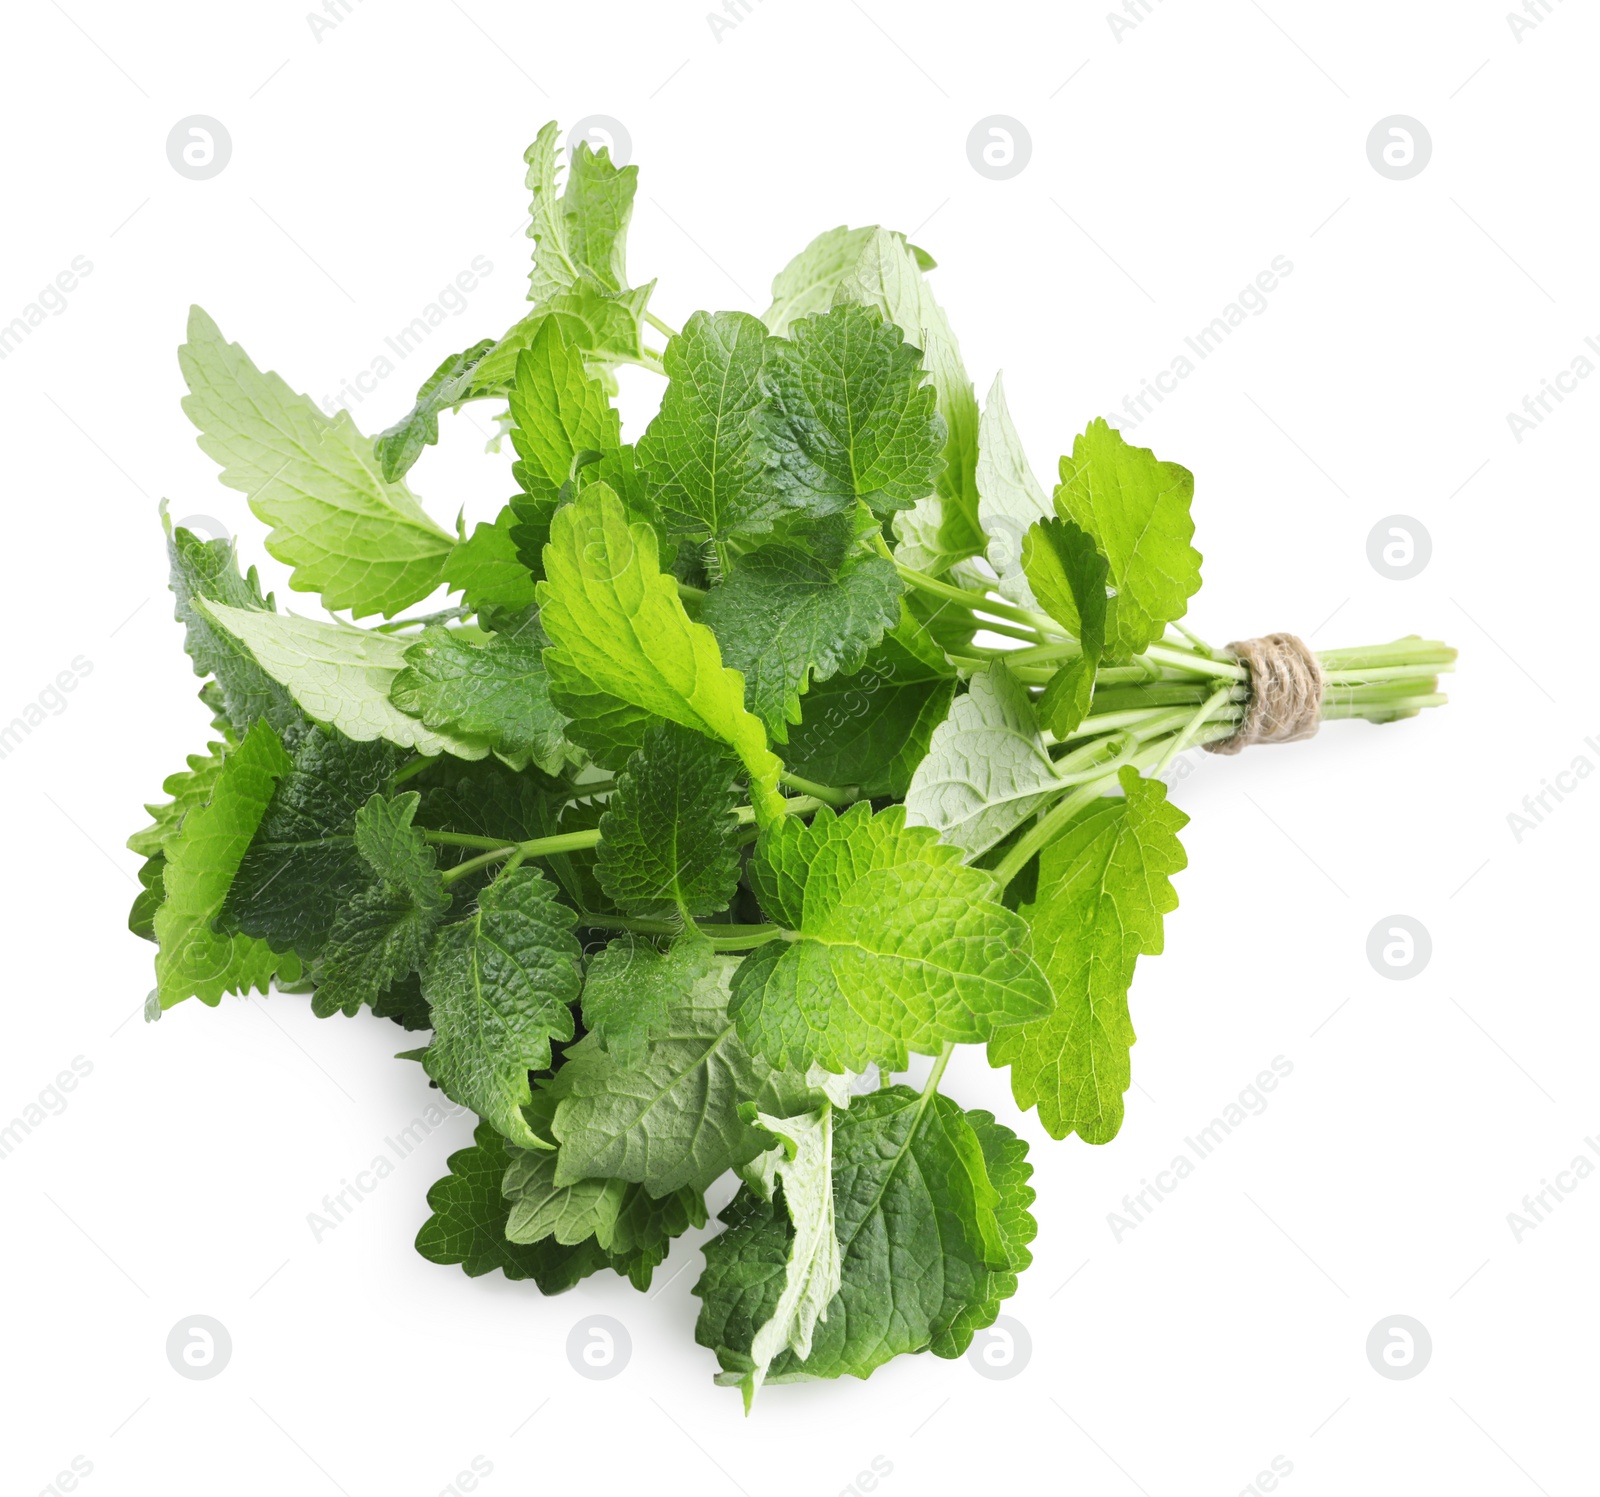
1167, 169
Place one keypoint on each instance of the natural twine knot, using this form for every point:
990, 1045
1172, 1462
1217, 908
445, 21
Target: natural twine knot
1285, 692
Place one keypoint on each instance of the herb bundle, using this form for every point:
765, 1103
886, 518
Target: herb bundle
801, 736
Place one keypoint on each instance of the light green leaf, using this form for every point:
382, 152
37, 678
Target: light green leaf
788, 615
1009, 496
806, 285
667, 1118
987, 770
898, 947
668, 838
616, 620
500, 985
888, 277
801, 1163
598, 204
569, 1213
338, 674
848, 416
555, 267
1137, 510
201, 860
364, 544
606, 326
497, 693
919, 1237
1103, 888
697, 453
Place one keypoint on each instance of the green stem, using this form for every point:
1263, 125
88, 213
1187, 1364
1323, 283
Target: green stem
660, 326
1181, 739
931, 1085
722, 937
472, 865
444, 615
415, 767
977, 602
833, 795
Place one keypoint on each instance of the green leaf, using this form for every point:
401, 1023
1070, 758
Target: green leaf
557, 411
598, 204
1005, 1158
188, 788
918, 1234
303, 866
580, 233
201, 860
801, 1165
871, 728
382, 934
848, 416
644, 1229
668, 837
468, 1225
987, 770
807, 284
667, 1117
698, 453
1137, 511
500, 985
401, 445
888, 277
630, 986
1068, 576
787, 615
338, 675
1009, 496
541, 1208
1103, 887
617, 622
152, 893
210, 569
498, 693
361, 542
607, 326
487, 571
898, 947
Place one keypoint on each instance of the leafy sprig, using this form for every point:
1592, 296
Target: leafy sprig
739, 764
